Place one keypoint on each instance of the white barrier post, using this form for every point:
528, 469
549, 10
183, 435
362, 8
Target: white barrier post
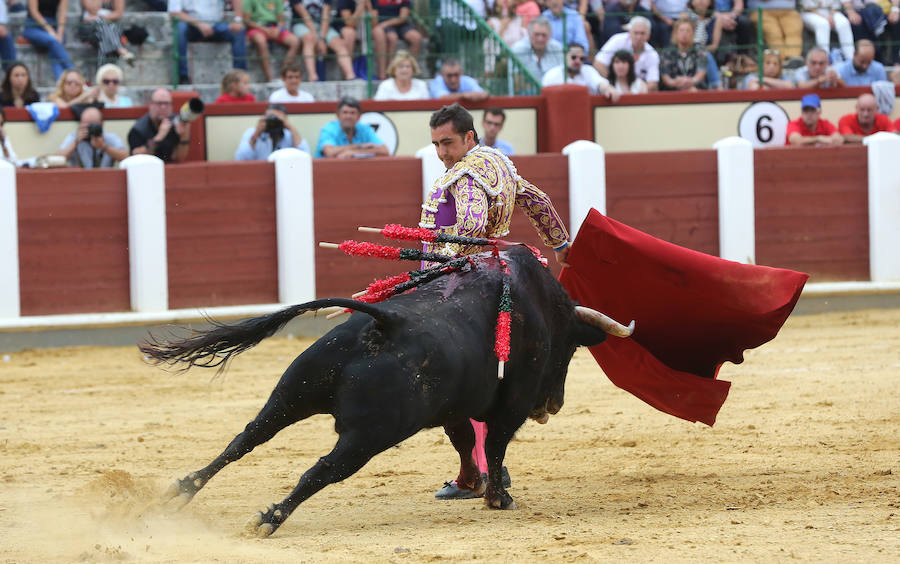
737, 219
295, 226
587, 181
884, 206
432, 168
9, 243
147, 258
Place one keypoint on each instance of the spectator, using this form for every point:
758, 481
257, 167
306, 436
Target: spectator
273, 131
158, 132
346, 138
618, 15
527, 10
70, 90
350, 14
585, 10
809, 128
451, 83
7, 43
665, 13
90, 146
235, 88
17, 89
876, 20
816, 73
6, 151
707, 28
393, 23
782, 28
400, 84
202, 20
491, 124
646, 59
317, 36
45, 28
555, 13
736, 29
100, 28
866, 121
539, 52
622, 76
576, 72
683, 65
771, 74
265, 22
290, 92
823, 16
109, 78
862, 69
508, 25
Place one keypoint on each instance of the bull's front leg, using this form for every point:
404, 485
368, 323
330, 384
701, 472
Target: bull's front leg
462, 436
498, 436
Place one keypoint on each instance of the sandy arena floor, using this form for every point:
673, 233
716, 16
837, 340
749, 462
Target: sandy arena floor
803, 464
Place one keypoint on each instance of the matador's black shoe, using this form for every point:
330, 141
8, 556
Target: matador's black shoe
452, 491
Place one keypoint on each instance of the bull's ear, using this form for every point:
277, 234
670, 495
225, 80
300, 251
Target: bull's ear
588, 335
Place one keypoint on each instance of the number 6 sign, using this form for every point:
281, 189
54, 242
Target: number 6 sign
764, 124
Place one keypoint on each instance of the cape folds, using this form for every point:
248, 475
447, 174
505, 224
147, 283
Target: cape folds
693, 312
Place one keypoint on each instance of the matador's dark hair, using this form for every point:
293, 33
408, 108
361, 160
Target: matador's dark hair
458, 116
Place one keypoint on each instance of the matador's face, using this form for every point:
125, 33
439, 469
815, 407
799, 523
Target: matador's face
451, 146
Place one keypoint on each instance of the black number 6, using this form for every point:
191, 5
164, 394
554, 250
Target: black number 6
764, 131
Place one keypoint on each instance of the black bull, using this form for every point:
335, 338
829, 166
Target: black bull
418, 360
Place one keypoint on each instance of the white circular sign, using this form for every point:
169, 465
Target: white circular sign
383, 127
764, 124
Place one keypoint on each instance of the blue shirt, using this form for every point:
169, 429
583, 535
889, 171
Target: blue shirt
332, 134
502, 146
574, 27
437, 87
263, 147
846, 71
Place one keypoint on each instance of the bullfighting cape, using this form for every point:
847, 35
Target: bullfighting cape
692, 312
477, 197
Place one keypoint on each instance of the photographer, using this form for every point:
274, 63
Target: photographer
272, 132
90, 146
162, 133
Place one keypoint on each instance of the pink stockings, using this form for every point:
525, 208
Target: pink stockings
478, 451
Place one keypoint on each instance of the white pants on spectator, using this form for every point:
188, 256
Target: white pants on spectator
818, 24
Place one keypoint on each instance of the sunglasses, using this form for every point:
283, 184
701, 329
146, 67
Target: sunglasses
110, 81
771, 52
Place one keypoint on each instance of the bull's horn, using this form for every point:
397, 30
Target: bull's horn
597, 319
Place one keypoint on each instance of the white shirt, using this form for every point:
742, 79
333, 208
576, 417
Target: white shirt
387, 90
204, 10
282, 96
646, 67
637, 87
588, 76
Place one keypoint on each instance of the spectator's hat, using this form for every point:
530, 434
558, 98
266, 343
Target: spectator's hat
810, 101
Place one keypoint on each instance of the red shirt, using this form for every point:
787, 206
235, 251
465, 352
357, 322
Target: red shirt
850, 124
228, 98
823, 127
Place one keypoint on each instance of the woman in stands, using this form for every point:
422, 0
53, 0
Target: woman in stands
622, 76
70, 90
102, 29
235, 87
17, 89
109, 78
771, 73
400, 84
45, 28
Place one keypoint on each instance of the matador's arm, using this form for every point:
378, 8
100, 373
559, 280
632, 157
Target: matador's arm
539, 209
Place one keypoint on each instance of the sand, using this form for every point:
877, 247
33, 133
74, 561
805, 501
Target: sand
803, 464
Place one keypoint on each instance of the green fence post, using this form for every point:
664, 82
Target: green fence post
175, 76
760, 45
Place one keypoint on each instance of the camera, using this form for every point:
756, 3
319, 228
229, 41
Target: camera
191, 110
274, 125
95, 130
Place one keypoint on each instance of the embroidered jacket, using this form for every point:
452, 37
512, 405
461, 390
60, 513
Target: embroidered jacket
476, 198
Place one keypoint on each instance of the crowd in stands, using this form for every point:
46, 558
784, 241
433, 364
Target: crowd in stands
611, 47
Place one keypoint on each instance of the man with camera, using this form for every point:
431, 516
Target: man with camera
162, 133
90, 146
272, 132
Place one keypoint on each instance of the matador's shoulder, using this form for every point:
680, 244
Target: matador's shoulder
487, 167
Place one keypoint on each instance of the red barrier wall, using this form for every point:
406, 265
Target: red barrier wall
221, 244
73, 241
812, 211
675, 198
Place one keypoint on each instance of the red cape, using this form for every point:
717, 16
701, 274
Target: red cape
692, 312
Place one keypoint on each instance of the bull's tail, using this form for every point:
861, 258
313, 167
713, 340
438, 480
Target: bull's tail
216, 346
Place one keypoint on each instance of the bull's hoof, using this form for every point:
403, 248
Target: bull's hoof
182, 491
265, 522
499, 500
